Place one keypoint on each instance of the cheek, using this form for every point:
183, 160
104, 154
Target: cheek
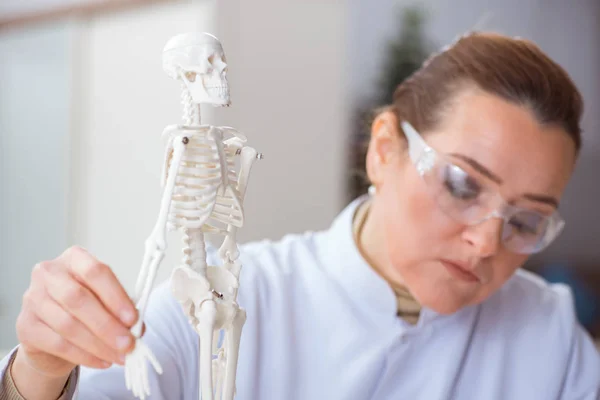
505, 265
415, 228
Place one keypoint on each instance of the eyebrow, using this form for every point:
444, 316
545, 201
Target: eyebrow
480, 168
540, 198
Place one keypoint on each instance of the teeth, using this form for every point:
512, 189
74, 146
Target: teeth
219, 91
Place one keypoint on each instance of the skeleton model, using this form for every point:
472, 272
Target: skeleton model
203, 193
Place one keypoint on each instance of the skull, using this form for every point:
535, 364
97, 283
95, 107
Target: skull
198, 60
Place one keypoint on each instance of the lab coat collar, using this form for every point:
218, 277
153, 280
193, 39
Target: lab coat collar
367, 289
343, 260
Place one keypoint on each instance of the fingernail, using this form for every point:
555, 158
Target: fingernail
127, 316
123, 342
106, 364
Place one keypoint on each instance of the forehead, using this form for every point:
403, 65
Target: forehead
508, 140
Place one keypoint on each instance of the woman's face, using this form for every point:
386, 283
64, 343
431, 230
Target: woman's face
501, 146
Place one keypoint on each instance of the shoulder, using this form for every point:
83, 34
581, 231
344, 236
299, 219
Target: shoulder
264, 263
534, 315
535, 324
281, 256
527, 295
528, 300
273, 270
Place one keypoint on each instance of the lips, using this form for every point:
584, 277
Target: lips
460, 271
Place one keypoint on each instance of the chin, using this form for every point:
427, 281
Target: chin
444, 307
443, 297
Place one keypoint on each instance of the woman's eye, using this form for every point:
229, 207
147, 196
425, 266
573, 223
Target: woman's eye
522, 227
526, 223
460, 184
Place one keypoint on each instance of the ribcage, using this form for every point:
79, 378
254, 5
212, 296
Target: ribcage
200, 200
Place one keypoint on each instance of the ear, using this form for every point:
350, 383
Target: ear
384, 146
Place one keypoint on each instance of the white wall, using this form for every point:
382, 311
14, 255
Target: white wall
34, 158
289, 88
12, 8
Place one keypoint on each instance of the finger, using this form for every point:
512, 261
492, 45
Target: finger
81, 303
102, 281
145, 384
41, 337
69, 327
139, 381
154, 361
127, 379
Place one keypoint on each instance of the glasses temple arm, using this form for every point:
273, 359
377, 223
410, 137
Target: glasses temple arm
416, 144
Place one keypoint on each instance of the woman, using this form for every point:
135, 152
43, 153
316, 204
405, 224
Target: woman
414, 292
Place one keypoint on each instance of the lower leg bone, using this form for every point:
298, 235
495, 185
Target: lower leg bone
233, 336
207, 316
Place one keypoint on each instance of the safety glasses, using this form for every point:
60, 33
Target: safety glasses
470, 200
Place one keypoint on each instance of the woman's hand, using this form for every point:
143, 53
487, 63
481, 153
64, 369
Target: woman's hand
75, 312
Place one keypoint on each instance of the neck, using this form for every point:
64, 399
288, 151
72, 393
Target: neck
369, 237
196, 115
191, 110
371, 243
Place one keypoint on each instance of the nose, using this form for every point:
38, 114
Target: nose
485, 237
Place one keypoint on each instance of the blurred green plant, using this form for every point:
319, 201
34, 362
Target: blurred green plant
404, 53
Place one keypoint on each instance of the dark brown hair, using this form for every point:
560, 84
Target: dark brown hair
514, 69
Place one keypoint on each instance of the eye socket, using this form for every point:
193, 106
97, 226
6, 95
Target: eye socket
206, 65
190, 76
459, 183
219, 64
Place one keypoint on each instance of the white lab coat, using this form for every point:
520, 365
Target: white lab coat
322, 325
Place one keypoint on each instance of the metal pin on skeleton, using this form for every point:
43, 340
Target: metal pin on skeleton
259, 156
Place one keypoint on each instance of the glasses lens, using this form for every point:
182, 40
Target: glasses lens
467, 200
525, 231
458, 193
